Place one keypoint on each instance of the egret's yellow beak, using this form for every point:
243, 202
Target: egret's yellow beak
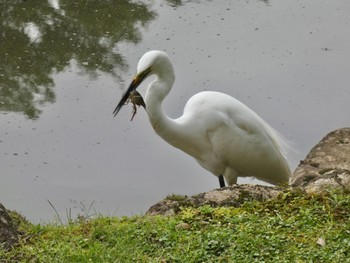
136, 81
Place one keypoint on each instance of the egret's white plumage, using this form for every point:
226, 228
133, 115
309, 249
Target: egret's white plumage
221, 133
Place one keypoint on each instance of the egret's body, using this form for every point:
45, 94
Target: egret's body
221, 133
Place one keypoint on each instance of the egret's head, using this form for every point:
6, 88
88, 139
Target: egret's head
152, 62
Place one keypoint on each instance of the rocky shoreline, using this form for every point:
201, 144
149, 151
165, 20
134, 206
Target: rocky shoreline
327, 166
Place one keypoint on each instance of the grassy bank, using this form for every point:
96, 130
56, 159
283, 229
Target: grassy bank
292, 228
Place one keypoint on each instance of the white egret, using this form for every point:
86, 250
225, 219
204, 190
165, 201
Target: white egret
224, 136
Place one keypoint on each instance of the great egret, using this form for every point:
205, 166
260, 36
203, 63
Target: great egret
224, 136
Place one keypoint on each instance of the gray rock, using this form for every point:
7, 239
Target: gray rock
8, 230
327, 165
234, 196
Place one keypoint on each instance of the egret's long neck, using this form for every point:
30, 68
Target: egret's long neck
156, 92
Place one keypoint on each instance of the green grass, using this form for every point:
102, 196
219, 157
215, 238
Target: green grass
283, 230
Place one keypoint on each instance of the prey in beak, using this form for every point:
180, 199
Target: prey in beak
132, 95
136, 99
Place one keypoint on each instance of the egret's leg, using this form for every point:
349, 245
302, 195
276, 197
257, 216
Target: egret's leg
221, 181
230, 176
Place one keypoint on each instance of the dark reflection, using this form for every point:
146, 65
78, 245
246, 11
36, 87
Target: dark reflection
38, 38
175, 2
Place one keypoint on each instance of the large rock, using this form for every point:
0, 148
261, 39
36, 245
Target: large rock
327, 165
234, 195
8, 230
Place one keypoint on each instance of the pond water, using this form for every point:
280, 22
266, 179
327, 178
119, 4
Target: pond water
64, 65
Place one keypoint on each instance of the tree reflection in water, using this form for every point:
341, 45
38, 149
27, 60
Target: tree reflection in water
39, 38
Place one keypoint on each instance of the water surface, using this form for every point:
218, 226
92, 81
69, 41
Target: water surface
64, 66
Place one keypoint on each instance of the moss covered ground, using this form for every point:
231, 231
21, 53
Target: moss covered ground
295, 227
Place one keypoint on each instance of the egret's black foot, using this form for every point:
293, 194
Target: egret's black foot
221, 181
